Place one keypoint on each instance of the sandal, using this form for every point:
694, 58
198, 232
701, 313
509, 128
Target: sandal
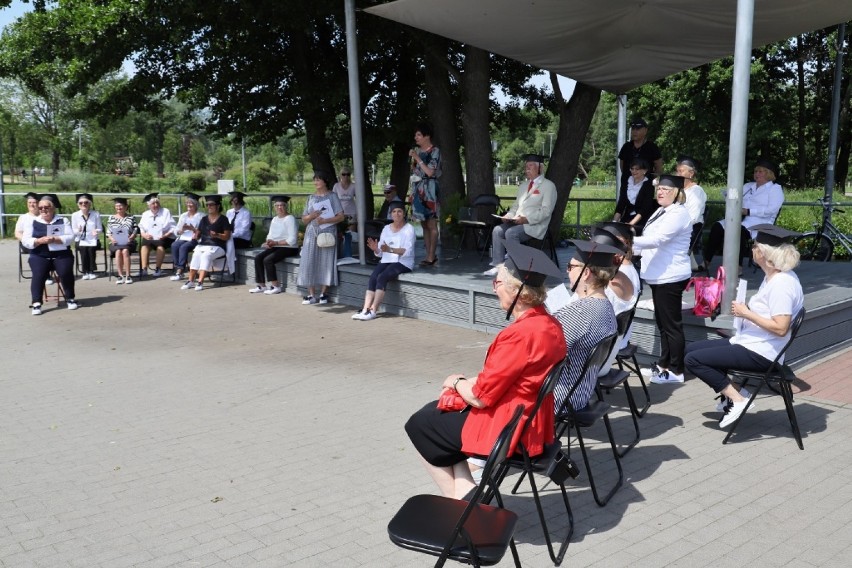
428, 263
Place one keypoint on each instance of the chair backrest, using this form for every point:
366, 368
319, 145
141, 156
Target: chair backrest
622, 321
546, 388
594, 359
795, 324
486, 200
499, 453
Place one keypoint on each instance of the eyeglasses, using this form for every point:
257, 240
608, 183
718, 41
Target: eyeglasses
84, 203
347, 174
665, 188
573, 266
45, 207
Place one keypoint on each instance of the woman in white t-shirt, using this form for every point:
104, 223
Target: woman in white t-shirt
765, 325
282, 241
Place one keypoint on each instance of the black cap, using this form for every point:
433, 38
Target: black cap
670, 180
120, 200
87, 196
396, 204
538, 158
638, 123
31, 195
609, 237
687, 161
279, 198
768, 164
389, 187
639, 162
213, 198
190, 195
236, 194
50, 197
151, 196
530, 265
593, 253
773, 235
623, 230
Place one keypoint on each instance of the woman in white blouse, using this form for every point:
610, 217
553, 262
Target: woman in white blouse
696, 200
185, 231
664, 246
282, 241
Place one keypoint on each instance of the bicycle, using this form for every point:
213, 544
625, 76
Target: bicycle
819, 245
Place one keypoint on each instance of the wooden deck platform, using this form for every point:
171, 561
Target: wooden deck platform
455, 292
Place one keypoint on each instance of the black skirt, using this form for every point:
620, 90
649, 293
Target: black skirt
436, 434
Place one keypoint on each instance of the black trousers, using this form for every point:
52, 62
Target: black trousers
716, 240
264, 263
669, 318
62, 263
87, 259
710, 360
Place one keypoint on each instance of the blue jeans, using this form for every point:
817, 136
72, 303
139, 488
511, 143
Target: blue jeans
180, 252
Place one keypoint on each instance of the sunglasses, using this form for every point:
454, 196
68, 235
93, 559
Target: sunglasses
45, 207
84, 203
347, 174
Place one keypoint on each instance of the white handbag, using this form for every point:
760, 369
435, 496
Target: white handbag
325, 240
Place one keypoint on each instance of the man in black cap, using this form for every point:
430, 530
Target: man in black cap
529, 216
240, 219
157, 229
639, 147
762, 202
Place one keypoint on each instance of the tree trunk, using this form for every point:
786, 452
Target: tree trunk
442, 113
575, 116
476, 117
801, 173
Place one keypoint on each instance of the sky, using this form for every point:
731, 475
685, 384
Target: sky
15, 10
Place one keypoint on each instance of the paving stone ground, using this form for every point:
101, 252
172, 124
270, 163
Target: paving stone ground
157, 428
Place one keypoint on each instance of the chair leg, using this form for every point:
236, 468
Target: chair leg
634, 414
598, 500
787, 394
633, 367
740, 417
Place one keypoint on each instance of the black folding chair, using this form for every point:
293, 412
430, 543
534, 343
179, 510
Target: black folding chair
465, 531
778, 378
626, 357
551, 463
567, 417
23, 251
610, 377
478, 223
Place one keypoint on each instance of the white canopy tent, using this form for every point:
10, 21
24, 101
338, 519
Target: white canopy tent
617, 45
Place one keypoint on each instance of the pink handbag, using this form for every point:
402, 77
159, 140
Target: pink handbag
708, 294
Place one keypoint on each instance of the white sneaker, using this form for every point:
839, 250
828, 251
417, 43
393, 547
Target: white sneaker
199, 287
272, 290
368, 315
119, 280
36, 309
491, 272
187, 285
128, 280
49, 282
257, 290
323, 299
85, 276
72, 304
733, 410
92, 276
723, 400
667, 377
358, 315
650, 372
177, 276
306, 300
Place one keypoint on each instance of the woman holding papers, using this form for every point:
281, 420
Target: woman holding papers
213, 233
395, 249
765, 324
49, 237
86, 224
157, 229
318, 266
185, 231
121, 232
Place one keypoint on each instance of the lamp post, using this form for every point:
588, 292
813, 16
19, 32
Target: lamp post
245, 185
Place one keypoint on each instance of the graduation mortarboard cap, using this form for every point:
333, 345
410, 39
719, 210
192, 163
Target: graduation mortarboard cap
669, 180
236, 194
609, 237
190, 195
86, 196
120, 200
638, 123
214, 198
279, 198
148, 198
773, 235
31, 195
592, 253
50, 197
530, 265
768, 164
537, 158
624, 230
396, 204
687, 161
